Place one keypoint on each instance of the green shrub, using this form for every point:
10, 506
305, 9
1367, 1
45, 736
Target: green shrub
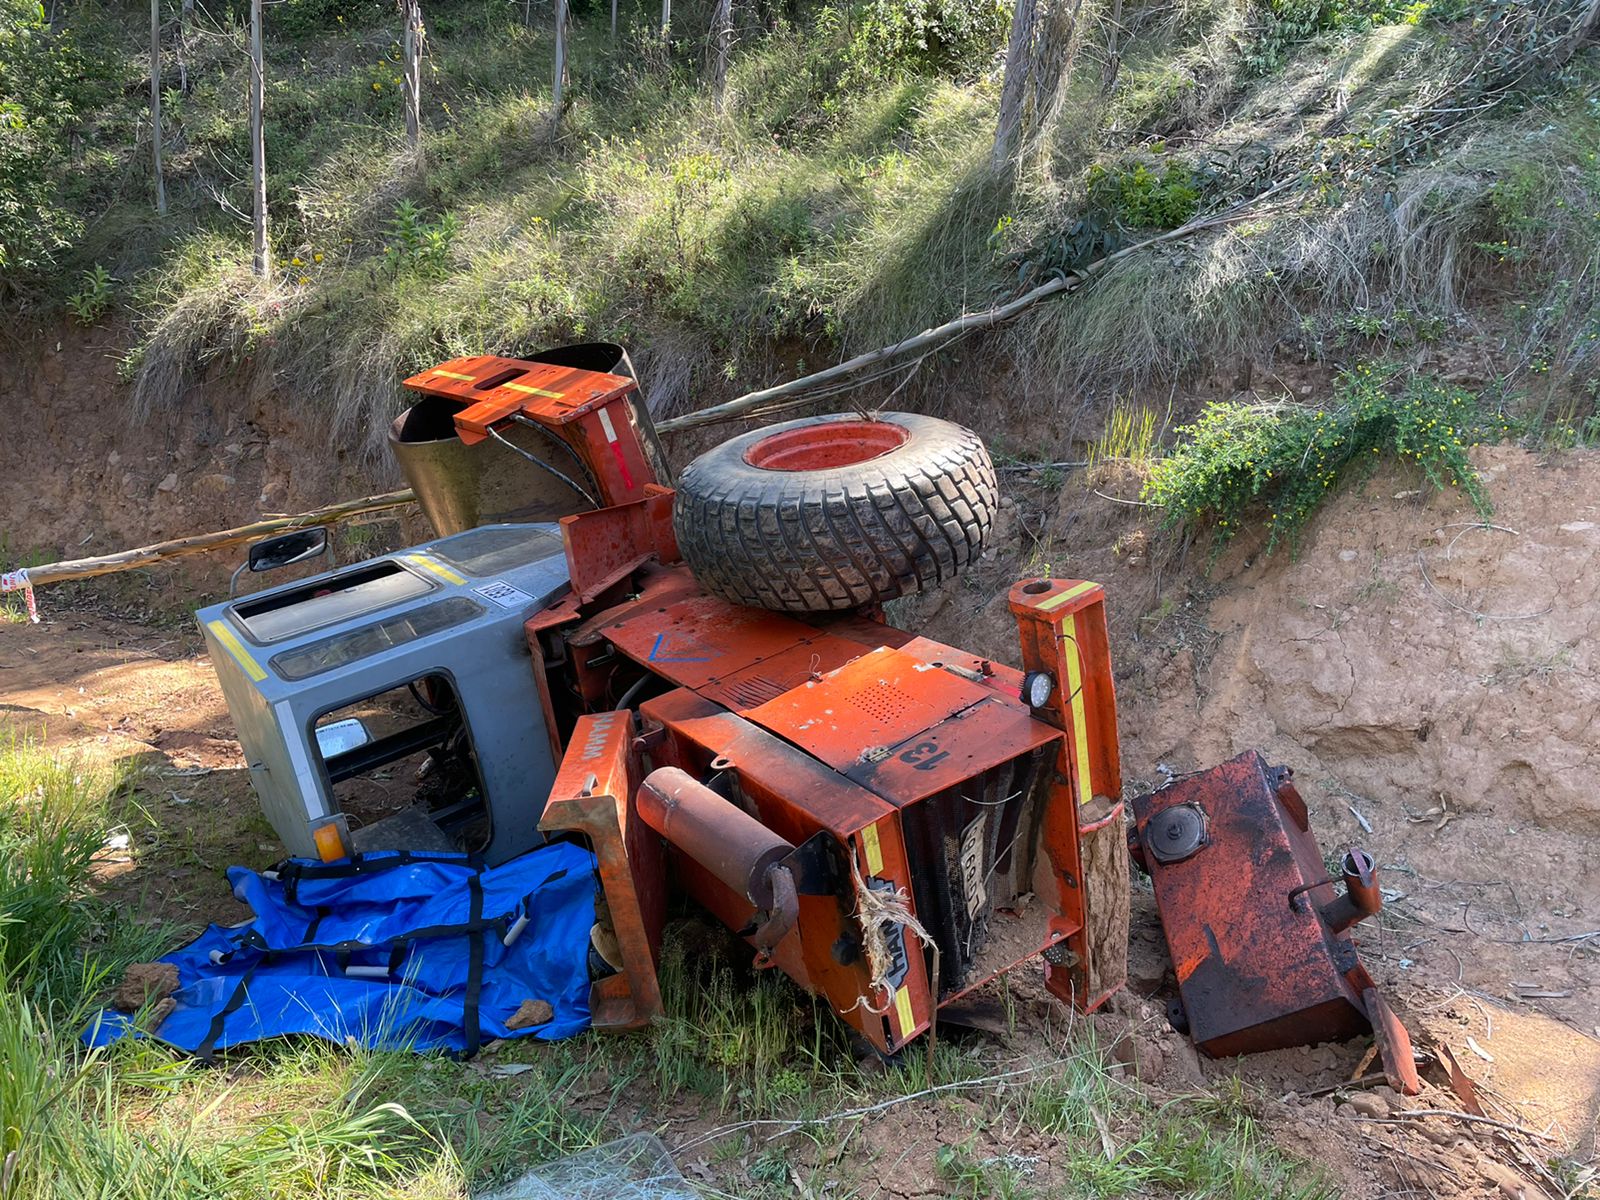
1280, 25
1289, 458
418, 244
1142, 198
900, 37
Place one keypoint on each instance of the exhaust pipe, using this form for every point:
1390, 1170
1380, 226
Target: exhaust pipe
1361, 899
728, 842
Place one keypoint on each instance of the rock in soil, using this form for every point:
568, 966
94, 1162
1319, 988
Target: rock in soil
1512, 1186
530, 1014
143, 982
1369, 1106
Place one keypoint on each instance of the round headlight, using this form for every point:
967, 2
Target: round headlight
1037, 687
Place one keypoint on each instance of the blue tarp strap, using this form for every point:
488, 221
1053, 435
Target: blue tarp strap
469, 1006
292, 871
206, 1051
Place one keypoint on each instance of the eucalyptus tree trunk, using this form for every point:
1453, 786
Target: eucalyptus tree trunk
666, 18
185, 20
412, 10
613, 20
1113, 46
258, 147
1054, 48
1013, 89
155, 104
1039, 56
722, 35
559, 87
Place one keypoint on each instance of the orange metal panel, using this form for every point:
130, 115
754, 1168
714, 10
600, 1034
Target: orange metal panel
907, 1010
856, 714
606, 545
1256, 970
590, 411
696, 640
805, 794
966, 744
493, 388
593, 794
1061, 625
768, 678
1006, 681
798, 797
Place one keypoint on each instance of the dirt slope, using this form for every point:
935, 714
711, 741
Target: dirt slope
1433, 676
1424, 675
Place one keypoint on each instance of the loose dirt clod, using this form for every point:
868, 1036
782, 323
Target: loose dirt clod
143, 982
531, 1014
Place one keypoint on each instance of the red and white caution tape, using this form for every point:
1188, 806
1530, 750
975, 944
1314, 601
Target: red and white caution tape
17, 581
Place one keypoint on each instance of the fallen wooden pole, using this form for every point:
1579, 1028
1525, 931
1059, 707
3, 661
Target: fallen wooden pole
123, 560
750, 404
931, 339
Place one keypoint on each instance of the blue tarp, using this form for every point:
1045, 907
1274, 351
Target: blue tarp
394, 950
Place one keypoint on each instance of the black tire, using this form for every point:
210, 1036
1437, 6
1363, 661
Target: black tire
824, 539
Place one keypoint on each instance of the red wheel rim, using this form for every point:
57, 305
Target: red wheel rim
823, 447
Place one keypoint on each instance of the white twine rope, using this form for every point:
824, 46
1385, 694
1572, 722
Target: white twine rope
17, 581
879, 913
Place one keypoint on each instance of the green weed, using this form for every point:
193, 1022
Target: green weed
418, 244
1131, 435
1289, 458
93, 297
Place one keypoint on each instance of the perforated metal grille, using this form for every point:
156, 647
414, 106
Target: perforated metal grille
883, 702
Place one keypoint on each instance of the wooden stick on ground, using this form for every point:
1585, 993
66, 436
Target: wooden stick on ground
123, 560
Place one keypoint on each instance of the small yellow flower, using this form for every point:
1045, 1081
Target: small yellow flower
377, 87
316, 258
305, 279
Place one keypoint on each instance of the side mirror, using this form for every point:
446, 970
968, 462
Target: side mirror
295, 546
280, 551
339, 737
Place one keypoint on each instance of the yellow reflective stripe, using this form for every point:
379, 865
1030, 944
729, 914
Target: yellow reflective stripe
902, 1010
1080, 731
869, 843
455, 375
533, 391
236, 648
1072, 593
439, 569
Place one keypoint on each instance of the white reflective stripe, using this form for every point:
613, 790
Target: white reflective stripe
605, 423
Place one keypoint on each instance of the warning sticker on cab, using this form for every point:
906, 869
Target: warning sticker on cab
504, 594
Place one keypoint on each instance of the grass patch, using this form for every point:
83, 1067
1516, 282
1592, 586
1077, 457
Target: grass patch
1287, 458
300, 1117
1132, 435
839, 199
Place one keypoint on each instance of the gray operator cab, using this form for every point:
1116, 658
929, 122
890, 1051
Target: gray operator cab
392, 704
